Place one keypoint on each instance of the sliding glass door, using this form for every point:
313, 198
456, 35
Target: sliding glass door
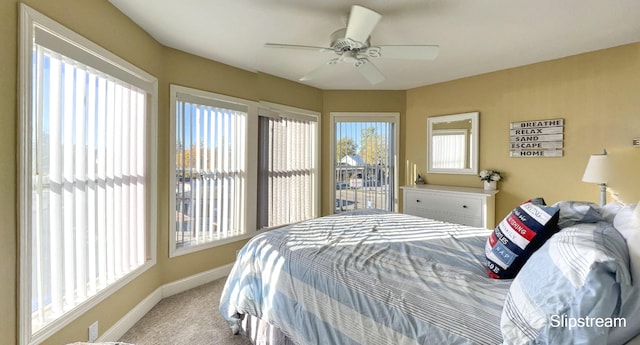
364, 160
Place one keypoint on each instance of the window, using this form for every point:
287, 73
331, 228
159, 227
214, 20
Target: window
238, 167
364, 159
287, 168
210, 168
87, 149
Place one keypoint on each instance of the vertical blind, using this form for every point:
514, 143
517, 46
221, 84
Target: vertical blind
286, 170
450, 149
364, 165
88, 183
209, 169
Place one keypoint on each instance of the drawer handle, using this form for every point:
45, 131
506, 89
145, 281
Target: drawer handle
418, 200
464, 206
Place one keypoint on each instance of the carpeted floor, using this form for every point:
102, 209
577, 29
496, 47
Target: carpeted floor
188, 318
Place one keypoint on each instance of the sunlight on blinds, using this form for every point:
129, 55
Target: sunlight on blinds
88, 190
287, 171
210, 176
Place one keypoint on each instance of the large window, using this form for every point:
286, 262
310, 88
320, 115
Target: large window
87, 156
287, 167
238, 167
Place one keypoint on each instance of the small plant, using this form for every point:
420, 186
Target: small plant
490, 175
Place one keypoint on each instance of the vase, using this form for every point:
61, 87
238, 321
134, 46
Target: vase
490, 185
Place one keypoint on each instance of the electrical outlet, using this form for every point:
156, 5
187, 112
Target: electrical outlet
93, 332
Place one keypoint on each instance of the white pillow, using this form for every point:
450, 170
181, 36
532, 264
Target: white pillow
580, 272
627, 222
610, 210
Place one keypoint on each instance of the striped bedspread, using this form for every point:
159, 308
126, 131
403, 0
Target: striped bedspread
369, 277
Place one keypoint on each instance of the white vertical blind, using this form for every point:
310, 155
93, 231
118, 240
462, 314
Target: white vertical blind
88, 183
364, 164
450, 149
79, 105
287, 171
210, 170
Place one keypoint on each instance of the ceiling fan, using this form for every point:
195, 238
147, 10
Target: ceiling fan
352, 45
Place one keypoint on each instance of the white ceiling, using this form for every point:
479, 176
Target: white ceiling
475, 36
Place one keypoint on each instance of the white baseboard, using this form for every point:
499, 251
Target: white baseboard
121, 327
195, 280
134, 315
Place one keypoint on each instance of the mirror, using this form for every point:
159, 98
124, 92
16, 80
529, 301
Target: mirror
452, 142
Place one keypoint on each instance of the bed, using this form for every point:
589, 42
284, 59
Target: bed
374, 277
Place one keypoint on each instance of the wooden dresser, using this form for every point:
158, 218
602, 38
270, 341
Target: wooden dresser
462, 205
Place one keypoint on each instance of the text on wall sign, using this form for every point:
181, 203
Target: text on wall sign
538, 138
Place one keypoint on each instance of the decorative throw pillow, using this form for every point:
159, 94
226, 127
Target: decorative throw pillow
518, 235
574, 212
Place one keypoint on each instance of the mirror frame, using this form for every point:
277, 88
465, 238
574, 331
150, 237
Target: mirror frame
475, 142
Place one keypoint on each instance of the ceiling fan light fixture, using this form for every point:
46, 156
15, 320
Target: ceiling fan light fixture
373, 52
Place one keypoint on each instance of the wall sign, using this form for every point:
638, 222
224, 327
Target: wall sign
539, 138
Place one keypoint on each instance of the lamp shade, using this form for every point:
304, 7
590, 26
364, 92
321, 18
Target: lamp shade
596, 171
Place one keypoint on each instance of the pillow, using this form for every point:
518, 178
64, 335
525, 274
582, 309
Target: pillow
580, 274
610, 210
518, 235
573, 212
627, 222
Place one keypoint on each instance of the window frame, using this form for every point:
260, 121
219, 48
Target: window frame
251, 131
97, 57
255, 109
392, 117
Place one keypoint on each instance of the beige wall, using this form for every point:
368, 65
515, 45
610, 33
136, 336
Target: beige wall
597, 95
8, 201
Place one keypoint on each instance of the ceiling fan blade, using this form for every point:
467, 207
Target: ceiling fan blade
299, 47
320, 70
361, 23
369, 71
417, 52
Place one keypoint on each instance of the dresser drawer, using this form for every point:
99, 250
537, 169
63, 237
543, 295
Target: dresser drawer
458, 205
465, 206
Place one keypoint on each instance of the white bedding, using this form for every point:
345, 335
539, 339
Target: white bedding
372, 277
369, 278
